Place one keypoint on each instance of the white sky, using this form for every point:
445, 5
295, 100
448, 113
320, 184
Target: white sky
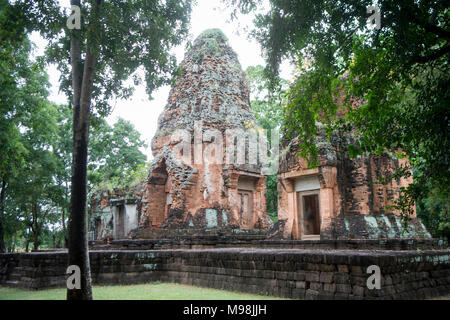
144, 113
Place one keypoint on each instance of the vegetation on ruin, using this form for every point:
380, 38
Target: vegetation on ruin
208, 43
29, 131
400, 70
213, 34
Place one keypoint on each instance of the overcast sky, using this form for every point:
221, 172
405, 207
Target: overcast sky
144, 113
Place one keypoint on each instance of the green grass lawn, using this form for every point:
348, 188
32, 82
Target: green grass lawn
150, 291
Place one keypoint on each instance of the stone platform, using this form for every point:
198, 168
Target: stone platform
290, 273
261, 242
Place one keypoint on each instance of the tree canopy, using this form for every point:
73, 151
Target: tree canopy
267, 104
114, 41
400, 73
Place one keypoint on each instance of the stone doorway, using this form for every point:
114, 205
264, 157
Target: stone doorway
246, 191
309, 214
246, 208
158, 188
120, 222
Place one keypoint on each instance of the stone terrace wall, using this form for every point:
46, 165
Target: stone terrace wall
298, 274
259, 241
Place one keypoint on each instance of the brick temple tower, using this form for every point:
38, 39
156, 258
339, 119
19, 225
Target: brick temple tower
192, 185
342, 198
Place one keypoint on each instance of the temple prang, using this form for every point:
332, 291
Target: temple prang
192, 186
342, 197
199, 218
208, 174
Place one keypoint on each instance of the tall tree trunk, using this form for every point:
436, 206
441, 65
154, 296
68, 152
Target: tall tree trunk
66, 240
9, 250
14, 242
35, 228
82, 82
36, 240
2, 209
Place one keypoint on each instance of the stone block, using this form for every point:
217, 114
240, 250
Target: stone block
358, 291
343, 288
329, 287
311, 294
317, 286
342, 268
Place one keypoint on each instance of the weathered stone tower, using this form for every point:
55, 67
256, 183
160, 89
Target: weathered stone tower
191, 185
342, 198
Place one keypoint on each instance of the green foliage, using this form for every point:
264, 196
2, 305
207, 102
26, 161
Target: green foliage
27, 125
266, 102
23, 92
124, 36
39, 194
139, 175
272, 197
32, 197
115, 157
38, 178
267, 105
433, 211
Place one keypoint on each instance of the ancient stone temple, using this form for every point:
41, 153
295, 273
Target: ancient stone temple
342, 198
192, 183
199, 218
208, 171
115, 214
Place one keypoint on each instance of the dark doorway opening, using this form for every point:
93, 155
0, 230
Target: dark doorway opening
120, 222
246, 208
309, 213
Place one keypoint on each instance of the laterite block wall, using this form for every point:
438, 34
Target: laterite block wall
298, 274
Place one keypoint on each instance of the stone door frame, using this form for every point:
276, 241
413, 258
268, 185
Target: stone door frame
247, 221
300, 217
119, 222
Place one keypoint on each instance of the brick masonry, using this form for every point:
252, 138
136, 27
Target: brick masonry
352, 200
194, 182
259, 241
299, 274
